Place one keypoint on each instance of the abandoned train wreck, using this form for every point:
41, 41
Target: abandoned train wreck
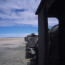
50, 8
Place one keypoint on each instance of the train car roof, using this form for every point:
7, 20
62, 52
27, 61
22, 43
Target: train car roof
54, 7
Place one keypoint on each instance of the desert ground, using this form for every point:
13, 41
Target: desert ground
12, 51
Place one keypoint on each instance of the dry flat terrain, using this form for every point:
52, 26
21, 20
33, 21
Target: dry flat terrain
12, 51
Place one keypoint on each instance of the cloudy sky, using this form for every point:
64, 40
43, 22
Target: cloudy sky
18, 19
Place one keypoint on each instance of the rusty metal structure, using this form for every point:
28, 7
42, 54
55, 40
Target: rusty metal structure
50, 8
32, 48
53, 56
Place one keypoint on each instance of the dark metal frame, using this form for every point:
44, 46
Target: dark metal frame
50, 8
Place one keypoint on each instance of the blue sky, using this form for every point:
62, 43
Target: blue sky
18, 19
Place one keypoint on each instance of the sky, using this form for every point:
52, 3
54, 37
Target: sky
18, 19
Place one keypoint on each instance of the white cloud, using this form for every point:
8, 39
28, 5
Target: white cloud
25, 17
28, 22
19, 22
12, 18
52, 21
19, 4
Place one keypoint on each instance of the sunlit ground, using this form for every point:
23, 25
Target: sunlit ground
12, 51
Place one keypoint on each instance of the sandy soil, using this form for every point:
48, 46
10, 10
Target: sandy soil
12, 51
